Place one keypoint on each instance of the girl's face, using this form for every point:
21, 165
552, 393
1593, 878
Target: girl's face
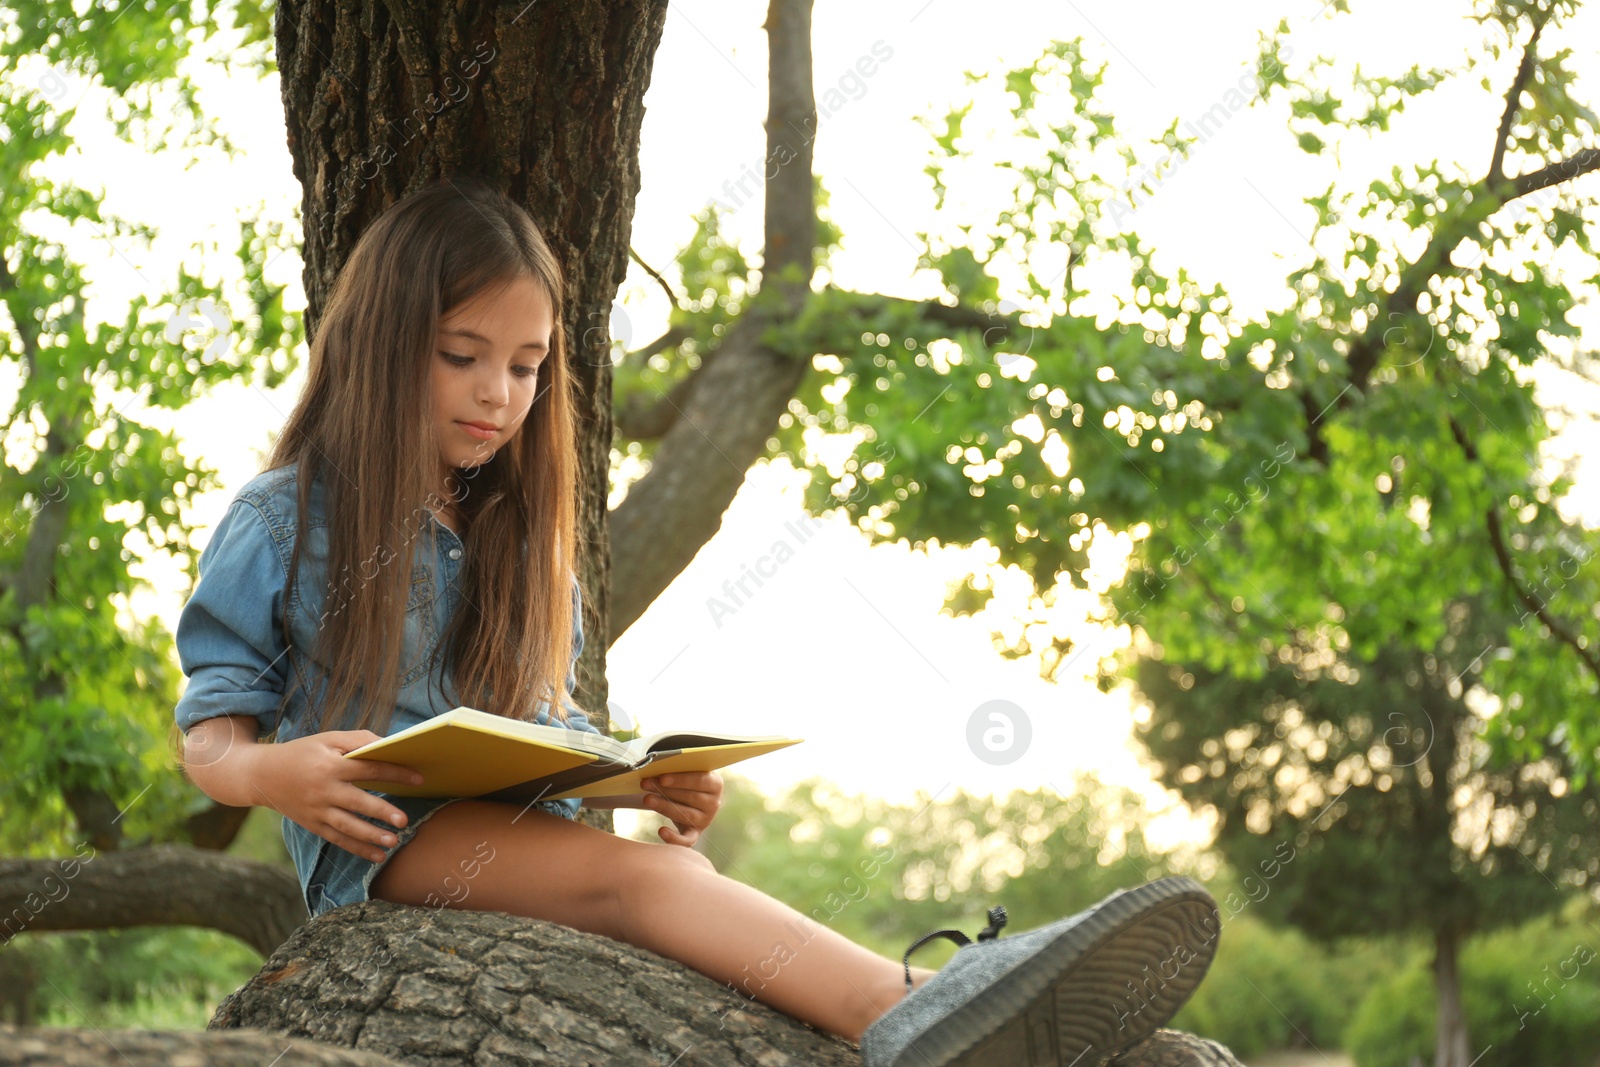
485, 370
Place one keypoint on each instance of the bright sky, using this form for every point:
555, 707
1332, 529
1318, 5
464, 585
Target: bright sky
844, 645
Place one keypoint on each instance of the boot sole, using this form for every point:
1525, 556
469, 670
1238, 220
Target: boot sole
1105, 984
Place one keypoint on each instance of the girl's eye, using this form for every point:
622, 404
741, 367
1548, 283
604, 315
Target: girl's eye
462, 361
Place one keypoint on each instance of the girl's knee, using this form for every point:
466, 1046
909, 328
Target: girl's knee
696, 859
653, 861
648, 866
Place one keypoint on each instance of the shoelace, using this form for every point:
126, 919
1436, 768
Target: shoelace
997, 919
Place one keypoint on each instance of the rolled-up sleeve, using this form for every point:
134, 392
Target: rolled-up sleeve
230, 636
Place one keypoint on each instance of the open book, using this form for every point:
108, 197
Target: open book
470, 753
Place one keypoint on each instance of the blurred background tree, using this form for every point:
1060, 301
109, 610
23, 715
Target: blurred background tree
1362, 792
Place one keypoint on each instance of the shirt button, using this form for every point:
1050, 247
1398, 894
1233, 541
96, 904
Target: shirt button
454, 553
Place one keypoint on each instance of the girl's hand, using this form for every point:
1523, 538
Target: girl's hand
309, 781
689, 799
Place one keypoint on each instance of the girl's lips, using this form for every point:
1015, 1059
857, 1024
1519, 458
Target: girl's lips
478, 432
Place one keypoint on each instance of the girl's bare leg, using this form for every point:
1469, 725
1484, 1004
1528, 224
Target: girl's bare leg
664, 898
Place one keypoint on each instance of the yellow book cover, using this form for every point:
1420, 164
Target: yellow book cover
470, 753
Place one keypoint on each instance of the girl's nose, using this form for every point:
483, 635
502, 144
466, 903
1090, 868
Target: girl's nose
495, 391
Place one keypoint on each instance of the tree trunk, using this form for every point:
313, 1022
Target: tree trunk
19, 978
452, 986
1450, 1044
545, 100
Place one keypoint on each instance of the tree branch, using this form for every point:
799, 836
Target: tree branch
1524, 72
158, 885
94, 1046
454, 986
639, 419
672, 298
49, 527
1502, 556
216, 827
1573, 166
1316, 447
1563, 633
675, 335
1370, 346
737, 398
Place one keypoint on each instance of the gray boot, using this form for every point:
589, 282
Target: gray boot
1070, 993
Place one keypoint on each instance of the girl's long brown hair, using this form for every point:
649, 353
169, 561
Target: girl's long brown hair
364, 423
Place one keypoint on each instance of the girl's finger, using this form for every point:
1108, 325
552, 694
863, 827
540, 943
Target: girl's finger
343, 834
666, 805
678, 811
369, 835
676, 789
688, 799
384, 812
377, 770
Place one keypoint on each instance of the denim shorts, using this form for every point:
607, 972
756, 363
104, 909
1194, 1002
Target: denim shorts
340, 877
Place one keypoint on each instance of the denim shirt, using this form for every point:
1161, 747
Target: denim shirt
232, 647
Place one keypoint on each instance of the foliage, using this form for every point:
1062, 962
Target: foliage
1333, 471
86, 695
148, 977
1532, 995
1271, 988
1368, 779
718, 287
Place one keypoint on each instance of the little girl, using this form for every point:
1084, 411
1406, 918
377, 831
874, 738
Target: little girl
411, 547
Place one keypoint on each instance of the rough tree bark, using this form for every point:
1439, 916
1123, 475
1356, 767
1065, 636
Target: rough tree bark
251, 1048
447, 986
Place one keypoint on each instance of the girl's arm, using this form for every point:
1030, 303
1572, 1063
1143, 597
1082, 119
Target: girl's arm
219, 755
307, 780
